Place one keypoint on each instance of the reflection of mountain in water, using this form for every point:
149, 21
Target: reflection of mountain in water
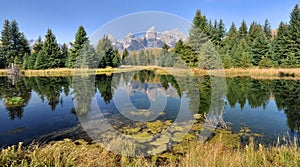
152, 90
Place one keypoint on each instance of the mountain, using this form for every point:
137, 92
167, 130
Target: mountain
149, 39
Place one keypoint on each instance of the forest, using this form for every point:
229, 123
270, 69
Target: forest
209, 46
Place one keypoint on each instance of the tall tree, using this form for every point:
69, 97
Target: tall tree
243, 31
51, 50
80, 39
294, 33
6, 46
254, 31
200, 22
281, 44
260, 47
64, 53
268, 30
38, 45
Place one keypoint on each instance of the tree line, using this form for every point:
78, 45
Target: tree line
208, 46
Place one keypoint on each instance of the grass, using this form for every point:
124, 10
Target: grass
216, 153
14, 100
271, 73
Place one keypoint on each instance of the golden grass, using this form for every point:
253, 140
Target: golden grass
80, 153
272, 73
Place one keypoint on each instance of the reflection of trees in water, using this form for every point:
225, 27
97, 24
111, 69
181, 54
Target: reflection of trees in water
287, 96
258, 93
19, 89
49, 87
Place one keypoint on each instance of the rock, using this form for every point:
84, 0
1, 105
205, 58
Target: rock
158, 149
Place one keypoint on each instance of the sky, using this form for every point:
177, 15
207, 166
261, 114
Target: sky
65, 16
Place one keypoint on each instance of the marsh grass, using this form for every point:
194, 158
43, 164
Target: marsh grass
80, 153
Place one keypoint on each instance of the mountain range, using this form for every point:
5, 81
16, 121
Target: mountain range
150, 39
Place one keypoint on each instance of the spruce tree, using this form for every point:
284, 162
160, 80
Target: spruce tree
51, 50
241, 56
125, 57
6, 47
281, 45
15, 34
260, 47
231, 39
104, 52
243, 31
38, 45
200, 22
268, 30
64, 54
86, 57
254, 31
80, 39
294, 33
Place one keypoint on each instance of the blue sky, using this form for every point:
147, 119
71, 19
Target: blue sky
64, 16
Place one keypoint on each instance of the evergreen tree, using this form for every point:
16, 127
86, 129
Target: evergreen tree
125, 57
38, 45
105, 53
6, 47
268, 30
116, 58
281, 44
42, 61
24, 48
230, 40
260, 47
142, 58
200, 22
64, 54
31, 61
243, 31
86, 57
51, 50
15, 34
254, 31
294, 33
80, 39
266, 62
241, 56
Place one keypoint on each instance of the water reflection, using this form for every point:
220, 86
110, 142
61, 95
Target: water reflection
57, 93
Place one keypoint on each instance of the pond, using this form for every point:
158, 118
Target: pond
53, 108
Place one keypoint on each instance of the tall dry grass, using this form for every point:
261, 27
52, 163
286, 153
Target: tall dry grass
80, 153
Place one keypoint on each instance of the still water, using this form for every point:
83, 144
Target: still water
263, 109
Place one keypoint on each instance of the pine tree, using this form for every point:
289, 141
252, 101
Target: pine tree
6, 47
125, 57
15, 34
64, 54
51, 50
260, 47
104, 52
281, 45
243, 31
80, 39
230, 40
38, 45
86, 57
142, 58
268, 30
200, 22
241, 56
42, 61
254, 31
116, 58
294, 33
24, 48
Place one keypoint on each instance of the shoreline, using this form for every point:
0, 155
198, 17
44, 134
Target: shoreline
272, 73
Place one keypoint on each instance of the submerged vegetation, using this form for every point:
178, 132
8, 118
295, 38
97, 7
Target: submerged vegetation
14, 101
